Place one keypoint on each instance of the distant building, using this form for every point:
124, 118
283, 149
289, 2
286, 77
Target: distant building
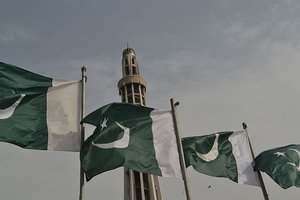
132, 89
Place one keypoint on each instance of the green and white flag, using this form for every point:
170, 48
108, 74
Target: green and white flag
37, 112
223, 154
282, 164
137, 137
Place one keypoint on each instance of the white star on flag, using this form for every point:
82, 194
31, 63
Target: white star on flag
103, 124
279, 154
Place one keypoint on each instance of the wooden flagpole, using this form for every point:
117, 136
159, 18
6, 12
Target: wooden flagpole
260, 179
84, 80
180, 150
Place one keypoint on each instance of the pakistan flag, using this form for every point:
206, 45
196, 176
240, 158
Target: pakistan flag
37, 112
137, 137
282, 164
223, 154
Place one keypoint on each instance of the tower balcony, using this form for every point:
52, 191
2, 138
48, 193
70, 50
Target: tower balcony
132, 79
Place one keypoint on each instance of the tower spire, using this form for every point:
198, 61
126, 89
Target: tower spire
132, 89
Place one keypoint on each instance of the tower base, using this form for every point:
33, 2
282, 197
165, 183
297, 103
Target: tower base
140, 186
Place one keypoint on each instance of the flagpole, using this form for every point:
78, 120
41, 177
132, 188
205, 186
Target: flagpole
260, 179
180, 150
82, 114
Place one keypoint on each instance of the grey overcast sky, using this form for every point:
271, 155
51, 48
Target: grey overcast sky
225, 61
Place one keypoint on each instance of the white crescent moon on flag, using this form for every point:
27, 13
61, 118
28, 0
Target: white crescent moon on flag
119, 144
212, 154
8, 112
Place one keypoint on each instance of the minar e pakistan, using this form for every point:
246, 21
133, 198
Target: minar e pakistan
132, 89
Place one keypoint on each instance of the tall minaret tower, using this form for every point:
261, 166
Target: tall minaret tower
132, 89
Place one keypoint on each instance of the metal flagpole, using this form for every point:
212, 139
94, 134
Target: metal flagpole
180, 150
83, 80
260, 179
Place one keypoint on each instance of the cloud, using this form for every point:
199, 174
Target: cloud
15, 33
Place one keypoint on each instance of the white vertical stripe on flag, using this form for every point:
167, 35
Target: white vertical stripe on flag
165, 146
242, 153
63, 115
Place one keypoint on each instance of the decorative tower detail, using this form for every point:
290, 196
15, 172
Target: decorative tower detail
132, 89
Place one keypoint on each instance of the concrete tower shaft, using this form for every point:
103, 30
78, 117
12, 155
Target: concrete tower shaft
132, 89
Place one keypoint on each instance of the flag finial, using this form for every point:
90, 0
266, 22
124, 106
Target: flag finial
244, 125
